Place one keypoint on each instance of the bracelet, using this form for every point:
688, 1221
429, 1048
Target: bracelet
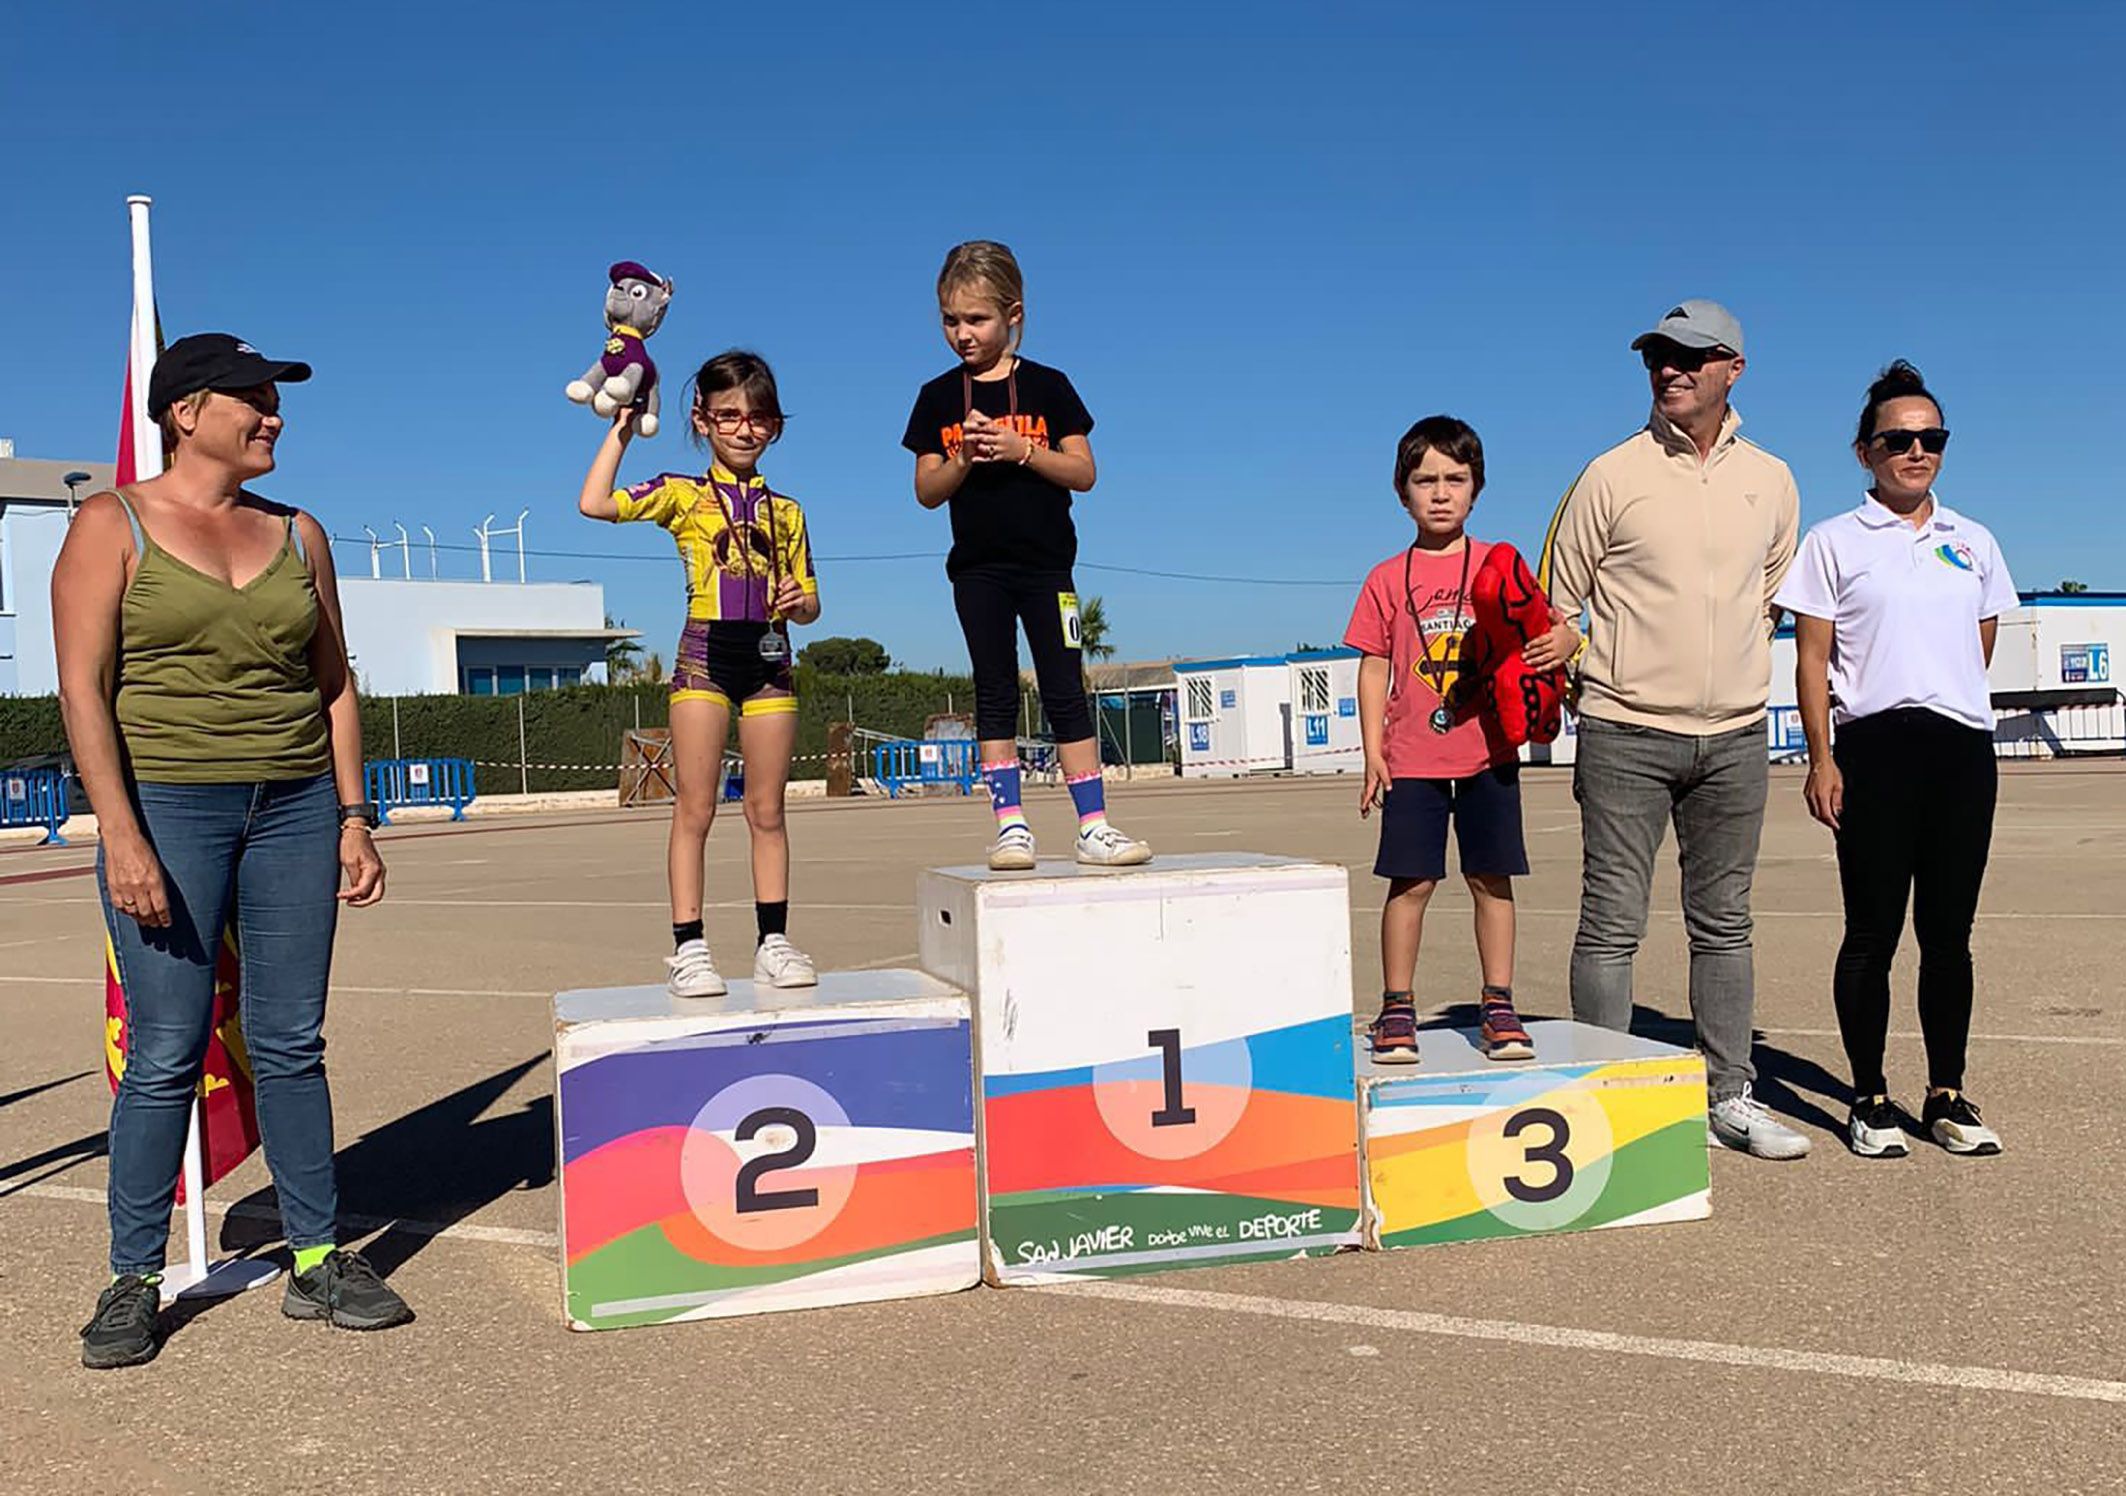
1027, 460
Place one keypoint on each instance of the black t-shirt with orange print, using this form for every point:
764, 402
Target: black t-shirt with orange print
1004, 515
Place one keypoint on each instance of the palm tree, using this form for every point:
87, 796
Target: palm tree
623, 657
1093, 628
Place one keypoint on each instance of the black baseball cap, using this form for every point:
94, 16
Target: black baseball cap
214, 361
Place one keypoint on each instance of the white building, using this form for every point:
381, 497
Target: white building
1324, 695
414, 637
35, 500
1236, 716
406, 635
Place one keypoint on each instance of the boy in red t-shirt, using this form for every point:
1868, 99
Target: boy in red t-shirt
1434, 753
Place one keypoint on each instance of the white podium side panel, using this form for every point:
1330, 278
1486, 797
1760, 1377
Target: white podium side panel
1165, 1059
764, 1150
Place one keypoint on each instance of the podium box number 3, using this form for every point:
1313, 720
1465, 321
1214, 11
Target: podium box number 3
1601, 1129
1164, 1056
719, 1157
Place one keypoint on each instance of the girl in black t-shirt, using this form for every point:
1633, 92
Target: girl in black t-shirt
1002, 440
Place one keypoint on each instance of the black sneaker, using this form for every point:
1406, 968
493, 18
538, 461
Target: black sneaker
1952, 1121
122, 1331
345, 1289
1875, 1128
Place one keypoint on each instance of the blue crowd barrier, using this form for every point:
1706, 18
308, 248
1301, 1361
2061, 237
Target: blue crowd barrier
394, 783
907, 765
35, 797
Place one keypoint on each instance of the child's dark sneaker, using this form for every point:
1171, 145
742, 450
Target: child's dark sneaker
122, 1330
1394, 1034
1502, 1036
345, 1289
1952, 1121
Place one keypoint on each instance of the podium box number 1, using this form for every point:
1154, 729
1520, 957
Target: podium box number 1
1164, 1056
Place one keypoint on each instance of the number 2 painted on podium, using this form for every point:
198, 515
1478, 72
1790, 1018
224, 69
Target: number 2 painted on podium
1551, 1152
1173, 1113
750, 1199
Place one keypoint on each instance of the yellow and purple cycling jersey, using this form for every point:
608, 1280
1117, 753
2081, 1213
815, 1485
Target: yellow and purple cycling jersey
737, 540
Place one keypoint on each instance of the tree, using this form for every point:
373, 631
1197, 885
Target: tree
1093, 640
623, 657
2070, 587
839, 655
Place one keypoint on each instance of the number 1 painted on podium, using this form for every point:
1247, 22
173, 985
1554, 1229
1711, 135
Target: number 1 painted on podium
1173, 1114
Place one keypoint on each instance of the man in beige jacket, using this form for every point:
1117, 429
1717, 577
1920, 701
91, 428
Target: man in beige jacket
1672, 543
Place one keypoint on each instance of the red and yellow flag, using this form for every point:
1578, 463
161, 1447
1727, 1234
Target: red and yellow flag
228, 1108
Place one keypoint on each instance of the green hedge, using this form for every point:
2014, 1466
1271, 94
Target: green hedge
30, 727
581, 726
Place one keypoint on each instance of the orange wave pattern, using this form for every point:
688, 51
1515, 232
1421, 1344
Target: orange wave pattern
635, 1181
1285, 1147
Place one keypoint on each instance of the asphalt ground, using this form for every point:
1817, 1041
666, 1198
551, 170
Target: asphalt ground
1837, 1325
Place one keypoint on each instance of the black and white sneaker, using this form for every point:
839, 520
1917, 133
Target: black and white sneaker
1875, 1128
346, 1290
122, 1330
1952, 1121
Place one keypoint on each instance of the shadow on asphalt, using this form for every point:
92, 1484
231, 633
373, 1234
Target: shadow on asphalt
42, 1086
1782, 1077
434, 1166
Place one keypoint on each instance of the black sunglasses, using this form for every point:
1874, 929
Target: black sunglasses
1933, 440
1657, 356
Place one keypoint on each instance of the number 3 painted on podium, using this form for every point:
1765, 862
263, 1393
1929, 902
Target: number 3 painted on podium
1551, 1152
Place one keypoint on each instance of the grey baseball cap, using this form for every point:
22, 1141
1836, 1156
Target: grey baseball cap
1696, 323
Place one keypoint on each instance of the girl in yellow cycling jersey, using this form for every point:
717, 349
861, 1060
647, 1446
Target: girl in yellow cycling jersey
749, 575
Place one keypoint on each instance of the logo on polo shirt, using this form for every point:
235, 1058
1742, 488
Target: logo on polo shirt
1957, 554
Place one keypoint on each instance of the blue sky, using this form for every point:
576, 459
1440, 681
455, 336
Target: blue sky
1262, 241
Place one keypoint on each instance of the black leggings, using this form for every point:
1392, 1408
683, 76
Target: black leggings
991, 605
1917, 822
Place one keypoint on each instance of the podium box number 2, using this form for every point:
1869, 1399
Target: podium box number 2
1600, 1129
1164, 1056
769, 1150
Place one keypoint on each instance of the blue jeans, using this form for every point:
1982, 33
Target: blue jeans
270, 852
1631, 782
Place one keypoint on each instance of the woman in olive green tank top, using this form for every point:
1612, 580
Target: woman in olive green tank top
204, 682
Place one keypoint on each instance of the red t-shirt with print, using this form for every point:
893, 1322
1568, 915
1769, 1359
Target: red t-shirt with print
1431, 587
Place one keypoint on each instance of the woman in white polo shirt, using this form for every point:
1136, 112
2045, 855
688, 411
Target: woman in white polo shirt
1895, 607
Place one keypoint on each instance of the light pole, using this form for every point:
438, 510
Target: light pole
72, 481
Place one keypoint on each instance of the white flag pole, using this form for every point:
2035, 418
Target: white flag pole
147, 438
196, 1277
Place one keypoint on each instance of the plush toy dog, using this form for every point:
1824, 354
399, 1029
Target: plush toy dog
625, 376
1510, 610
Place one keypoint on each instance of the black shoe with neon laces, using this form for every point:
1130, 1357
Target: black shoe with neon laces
345, 1289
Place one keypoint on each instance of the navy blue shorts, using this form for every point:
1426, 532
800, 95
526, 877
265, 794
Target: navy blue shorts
1486, 811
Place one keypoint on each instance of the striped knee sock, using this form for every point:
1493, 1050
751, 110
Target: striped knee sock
1089, 793
1003, 783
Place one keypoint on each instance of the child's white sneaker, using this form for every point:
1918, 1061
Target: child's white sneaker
693, 972
1101, 845
1013, 851
780, 964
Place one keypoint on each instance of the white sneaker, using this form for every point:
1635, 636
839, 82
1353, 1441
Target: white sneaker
694, 972
780, 964
1875, 1129
1103, 846
1013, 852
1745, 1124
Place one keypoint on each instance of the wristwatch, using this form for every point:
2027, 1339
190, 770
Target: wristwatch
363, 812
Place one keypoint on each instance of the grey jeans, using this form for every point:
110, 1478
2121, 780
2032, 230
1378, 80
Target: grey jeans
1630, 782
